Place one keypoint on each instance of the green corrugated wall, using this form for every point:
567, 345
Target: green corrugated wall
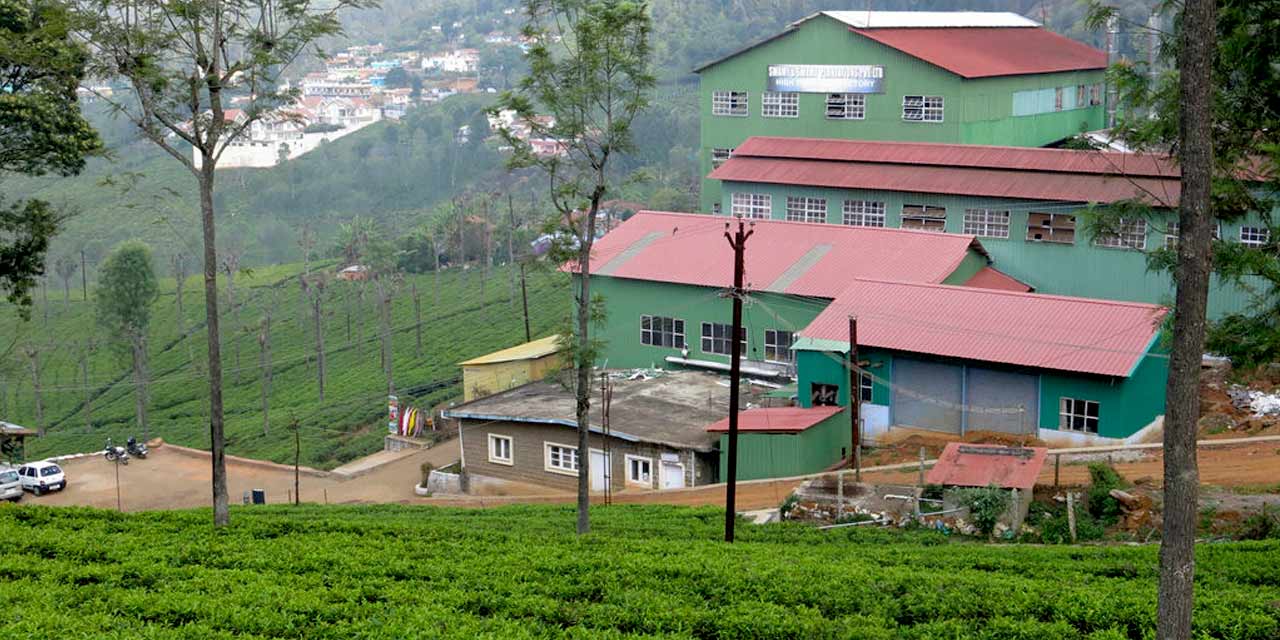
978, 111
1082, 269
778, 455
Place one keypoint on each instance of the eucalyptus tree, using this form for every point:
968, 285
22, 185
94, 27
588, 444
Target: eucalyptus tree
184, 61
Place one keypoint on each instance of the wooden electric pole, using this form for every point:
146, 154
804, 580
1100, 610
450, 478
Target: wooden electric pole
739, 243
855, 400
297, 453
524, 299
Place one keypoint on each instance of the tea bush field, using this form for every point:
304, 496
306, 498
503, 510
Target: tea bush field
458, 323
644, 571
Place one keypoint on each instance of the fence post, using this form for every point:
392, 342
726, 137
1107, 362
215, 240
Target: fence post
839, 494
922, 466
1071, 514
1057, 463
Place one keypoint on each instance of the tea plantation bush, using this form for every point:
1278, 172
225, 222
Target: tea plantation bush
519, 572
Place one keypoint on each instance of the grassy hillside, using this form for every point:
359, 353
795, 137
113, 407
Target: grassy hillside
520, 572
347, 424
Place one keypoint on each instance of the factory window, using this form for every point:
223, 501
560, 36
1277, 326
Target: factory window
752, 205
716, 338
639, 470
1051, 227
1130, 234
863, 213
777, 104
1057, 99
729, 103
561, 458
846, 106
662, 332
988, 223
802, 209
922, 108
1095, 95
719, 156
715, 208
1082, 94
1255, 236
865, 383
1078, 415
500, 449
1171, 233
777, 346
923, 216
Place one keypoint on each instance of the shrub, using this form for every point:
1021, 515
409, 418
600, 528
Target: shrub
788, 505
427, 468
986, 506
1263, 525
1102, 479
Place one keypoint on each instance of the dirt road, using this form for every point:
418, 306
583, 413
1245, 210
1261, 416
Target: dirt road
172, 479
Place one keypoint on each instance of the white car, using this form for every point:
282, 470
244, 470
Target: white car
39, 477
10, 486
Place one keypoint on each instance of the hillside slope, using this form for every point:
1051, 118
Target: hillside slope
345, 425
520, 572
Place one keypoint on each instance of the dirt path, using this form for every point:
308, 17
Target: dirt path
174, 479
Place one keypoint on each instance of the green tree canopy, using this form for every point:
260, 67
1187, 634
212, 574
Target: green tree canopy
127, 288
41, 130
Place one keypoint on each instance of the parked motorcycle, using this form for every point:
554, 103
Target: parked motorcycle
137, 449
115, 454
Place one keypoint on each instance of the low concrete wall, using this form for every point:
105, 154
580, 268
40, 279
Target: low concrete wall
440, 482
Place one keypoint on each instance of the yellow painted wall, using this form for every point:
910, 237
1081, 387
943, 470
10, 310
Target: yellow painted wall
482, 380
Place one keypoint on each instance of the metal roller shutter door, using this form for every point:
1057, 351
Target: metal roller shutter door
989, 388
918, 381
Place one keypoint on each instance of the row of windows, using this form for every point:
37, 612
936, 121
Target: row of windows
839, 106
1036, 101
987, 223
563, 458
661, 331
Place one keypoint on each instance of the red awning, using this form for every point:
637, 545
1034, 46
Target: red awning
777, 419
985, 465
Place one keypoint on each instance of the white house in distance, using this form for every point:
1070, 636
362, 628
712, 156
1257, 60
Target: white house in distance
456, 61
283, 135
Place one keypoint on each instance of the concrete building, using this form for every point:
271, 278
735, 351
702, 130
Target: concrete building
510, 368
1025, 205
953, 77
946, 342
657, 437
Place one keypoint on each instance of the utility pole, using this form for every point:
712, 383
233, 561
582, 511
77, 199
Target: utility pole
855, 399
297, 452
84, 279
739, 243
524, 299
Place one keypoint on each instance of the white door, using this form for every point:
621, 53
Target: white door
600, 471
672, 475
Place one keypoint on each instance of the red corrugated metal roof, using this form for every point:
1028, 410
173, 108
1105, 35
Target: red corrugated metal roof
991, 183
777, 419
985, 465
1081, 335
961, 155
791, 257
984, 52
990, 278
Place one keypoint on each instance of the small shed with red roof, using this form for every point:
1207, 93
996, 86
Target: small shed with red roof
776, 442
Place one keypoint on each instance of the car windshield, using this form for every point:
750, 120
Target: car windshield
8, 476
52, 470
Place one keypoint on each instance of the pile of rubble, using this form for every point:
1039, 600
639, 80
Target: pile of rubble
829, 500
1259, 403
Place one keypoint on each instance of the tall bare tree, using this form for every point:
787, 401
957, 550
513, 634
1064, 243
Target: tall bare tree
181, 60
66, 266
314, 288
32, 353
264, 365
1197, 34
589, 67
